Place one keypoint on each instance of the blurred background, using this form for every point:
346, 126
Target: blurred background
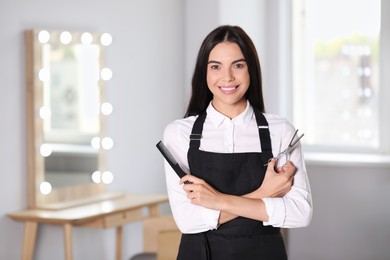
324, 68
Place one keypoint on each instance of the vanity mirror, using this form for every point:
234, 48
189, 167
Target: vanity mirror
66, 110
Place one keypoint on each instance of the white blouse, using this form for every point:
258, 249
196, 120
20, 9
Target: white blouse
240, 134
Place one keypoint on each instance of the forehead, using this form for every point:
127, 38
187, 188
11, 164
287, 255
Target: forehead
226, 51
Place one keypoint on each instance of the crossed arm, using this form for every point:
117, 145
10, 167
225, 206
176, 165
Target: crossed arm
275, 184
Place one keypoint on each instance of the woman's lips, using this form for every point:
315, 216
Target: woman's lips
228, 89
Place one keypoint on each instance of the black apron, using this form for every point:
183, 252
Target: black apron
236, 174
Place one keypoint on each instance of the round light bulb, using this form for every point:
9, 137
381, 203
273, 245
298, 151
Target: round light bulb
86, 38
106, 108
107, 143
45, 112
43, 75
65, 37
107, 177
43, 36
96, 177
106, 74
45, 187
45, 150
106, 39
95, 142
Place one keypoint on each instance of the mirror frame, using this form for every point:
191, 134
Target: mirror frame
58, 197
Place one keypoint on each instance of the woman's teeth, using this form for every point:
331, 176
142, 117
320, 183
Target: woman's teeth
228, 89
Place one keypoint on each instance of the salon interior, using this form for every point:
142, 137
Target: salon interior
144, 53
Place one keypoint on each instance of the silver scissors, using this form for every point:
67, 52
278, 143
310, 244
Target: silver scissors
290, 146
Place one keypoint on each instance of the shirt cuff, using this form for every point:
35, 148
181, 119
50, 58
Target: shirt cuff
211, 217
276, 211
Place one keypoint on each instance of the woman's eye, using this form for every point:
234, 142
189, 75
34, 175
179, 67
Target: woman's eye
214, 67
239, 65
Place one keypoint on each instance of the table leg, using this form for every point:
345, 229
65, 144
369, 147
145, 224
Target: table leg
68, 241
119, 231
30, 231
154, 210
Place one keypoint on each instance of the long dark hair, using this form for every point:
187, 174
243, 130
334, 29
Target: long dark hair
201, 95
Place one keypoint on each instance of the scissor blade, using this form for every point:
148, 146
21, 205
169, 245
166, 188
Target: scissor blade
292, 138
297, 140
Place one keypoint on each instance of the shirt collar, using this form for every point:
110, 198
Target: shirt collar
242, 119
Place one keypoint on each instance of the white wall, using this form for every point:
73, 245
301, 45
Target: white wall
154, 49
200, 18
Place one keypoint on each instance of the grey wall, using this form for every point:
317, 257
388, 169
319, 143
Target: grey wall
155, 44
351, 214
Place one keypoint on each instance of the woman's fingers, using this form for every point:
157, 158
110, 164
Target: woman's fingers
271, 165
191, 179
191, 184
287, 168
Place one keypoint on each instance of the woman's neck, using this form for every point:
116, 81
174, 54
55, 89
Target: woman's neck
231, 111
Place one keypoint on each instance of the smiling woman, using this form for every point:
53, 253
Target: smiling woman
231, 204
228, 78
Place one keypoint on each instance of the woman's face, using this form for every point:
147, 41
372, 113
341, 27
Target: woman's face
228, 78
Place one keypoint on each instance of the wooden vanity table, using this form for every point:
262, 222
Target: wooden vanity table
112, 213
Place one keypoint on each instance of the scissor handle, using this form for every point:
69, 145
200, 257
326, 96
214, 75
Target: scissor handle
289, 147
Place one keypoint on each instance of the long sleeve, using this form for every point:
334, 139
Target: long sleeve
295, 208
190, 218
223, 135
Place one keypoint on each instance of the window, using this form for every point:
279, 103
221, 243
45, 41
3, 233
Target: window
337, 73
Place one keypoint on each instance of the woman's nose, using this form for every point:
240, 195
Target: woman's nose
229, 76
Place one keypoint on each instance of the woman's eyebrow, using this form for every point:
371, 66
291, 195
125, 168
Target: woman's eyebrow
239, 60
218, 62
213, 61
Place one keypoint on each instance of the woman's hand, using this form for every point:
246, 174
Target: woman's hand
276, 183
200, 192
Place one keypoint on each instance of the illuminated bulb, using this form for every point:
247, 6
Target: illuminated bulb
95, 142
44, 112
43, 75
106, 108
86, 38
107, 143
45, 150
43, 36
96, 177
45, 188
107, 177
65, 37
106, 39
106, 74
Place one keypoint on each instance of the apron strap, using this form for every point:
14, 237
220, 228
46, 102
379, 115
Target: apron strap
197, 130
265, 136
